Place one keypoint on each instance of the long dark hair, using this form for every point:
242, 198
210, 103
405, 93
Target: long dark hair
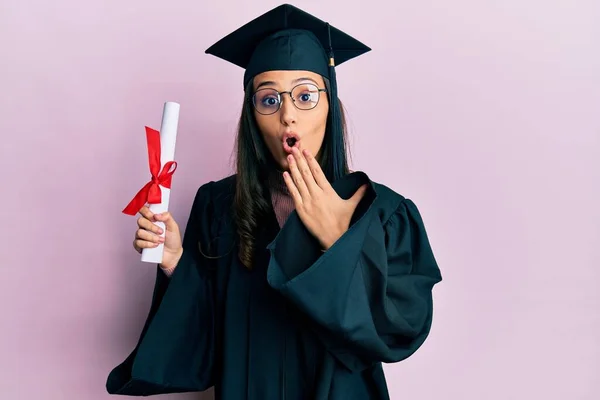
254, 162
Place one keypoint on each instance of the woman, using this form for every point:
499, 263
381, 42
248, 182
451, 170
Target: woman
287, 285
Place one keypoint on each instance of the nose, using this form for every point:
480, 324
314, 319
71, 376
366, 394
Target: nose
288, 110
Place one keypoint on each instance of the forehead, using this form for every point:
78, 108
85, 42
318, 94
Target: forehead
285, 79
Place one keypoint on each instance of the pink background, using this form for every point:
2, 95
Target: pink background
485, 113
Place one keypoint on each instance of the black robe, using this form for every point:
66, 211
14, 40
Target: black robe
303, 324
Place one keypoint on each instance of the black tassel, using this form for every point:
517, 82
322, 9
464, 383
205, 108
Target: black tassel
337, 140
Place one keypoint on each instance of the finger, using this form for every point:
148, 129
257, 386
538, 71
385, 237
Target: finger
168, 220
146, 213
148, 236
358, 195
136, 247
306, 172
149, 225
140, 244
292, 188
316, 170
297, 177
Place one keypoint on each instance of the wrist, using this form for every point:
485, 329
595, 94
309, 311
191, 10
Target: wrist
328, 242
172, 263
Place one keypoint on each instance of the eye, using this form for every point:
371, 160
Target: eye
306, 94
269, 101
304, 97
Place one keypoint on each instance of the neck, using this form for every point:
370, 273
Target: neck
283, 203
276, 181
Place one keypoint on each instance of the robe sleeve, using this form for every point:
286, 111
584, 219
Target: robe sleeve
175, 351
369, 297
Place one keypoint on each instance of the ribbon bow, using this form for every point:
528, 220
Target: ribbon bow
151, 192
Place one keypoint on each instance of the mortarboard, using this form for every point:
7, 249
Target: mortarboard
287, 38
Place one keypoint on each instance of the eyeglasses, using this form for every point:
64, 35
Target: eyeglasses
304, 96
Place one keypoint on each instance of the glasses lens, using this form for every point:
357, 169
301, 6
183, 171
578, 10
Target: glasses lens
266, 101
306, 96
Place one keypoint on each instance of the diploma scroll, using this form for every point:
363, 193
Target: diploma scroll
157, 192
168, 136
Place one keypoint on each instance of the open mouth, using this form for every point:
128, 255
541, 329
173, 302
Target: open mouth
290, 140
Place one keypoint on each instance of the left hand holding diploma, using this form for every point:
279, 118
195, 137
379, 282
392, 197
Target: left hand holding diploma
325, 214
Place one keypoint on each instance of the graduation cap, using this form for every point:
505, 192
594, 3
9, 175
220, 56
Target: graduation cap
287, 38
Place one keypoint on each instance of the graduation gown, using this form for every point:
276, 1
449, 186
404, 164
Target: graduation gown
302, 324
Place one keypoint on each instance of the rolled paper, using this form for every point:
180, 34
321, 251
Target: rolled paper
157, 192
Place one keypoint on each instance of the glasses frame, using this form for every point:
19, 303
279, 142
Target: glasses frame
280, 98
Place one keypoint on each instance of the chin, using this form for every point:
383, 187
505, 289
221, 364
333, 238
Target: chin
281, 163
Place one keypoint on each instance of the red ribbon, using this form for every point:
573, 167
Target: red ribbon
151, 193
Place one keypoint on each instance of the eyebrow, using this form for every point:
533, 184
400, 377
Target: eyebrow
295, 81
